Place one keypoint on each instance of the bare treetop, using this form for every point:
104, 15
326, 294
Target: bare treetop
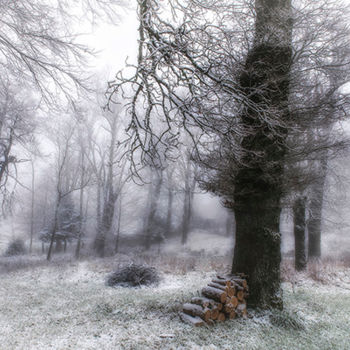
39, 45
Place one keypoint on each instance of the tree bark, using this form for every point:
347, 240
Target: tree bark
258, 183
299, 233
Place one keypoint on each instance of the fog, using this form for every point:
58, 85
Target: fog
114, 45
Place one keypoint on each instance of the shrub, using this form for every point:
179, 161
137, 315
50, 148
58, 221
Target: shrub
15, 247
133, 276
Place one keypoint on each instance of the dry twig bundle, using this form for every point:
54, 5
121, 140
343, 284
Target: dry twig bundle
133, 276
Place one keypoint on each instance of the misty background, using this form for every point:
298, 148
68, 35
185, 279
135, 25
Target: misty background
50, 151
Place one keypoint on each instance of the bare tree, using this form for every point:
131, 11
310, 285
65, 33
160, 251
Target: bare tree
39, 44
237, 87
221, 100
317, 137
85, 175
109, 168
16, 129
66, 180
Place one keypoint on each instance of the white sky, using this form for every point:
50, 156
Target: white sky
115, 43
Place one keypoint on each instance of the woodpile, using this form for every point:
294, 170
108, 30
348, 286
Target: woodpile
223, 299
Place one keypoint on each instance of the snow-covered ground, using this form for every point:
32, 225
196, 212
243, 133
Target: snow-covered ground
68, 306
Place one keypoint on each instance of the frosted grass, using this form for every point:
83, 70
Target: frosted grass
70, 307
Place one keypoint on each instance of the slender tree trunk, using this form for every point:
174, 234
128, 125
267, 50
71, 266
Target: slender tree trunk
81, 201
58, 247
299, 233
44, 208
110, 197
258, 184
32, 210
190, 184
315, 212
187, 204
106, 225
169, 205
54, 228
118, 225
169, 211
98, 205
153, 205
186, 216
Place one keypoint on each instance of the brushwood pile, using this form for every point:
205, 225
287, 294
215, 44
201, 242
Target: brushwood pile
133, 275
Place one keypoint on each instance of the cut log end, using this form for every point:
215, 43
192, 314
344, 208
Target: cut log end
214, 314
233, 301
240, 295
221, 317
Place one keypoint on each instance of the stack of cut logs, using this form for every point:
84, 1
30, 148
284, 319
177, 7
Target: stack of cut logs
223, 299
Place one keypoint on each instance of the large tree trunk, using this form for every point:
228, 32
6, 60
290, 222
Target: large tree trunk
315, 212
299, 233
258, 183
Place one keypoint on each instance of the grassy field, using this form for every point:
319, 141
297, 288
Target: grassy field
66, 305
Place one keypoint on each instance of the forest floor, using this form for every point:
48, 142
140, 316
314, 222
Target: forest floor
67, 305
